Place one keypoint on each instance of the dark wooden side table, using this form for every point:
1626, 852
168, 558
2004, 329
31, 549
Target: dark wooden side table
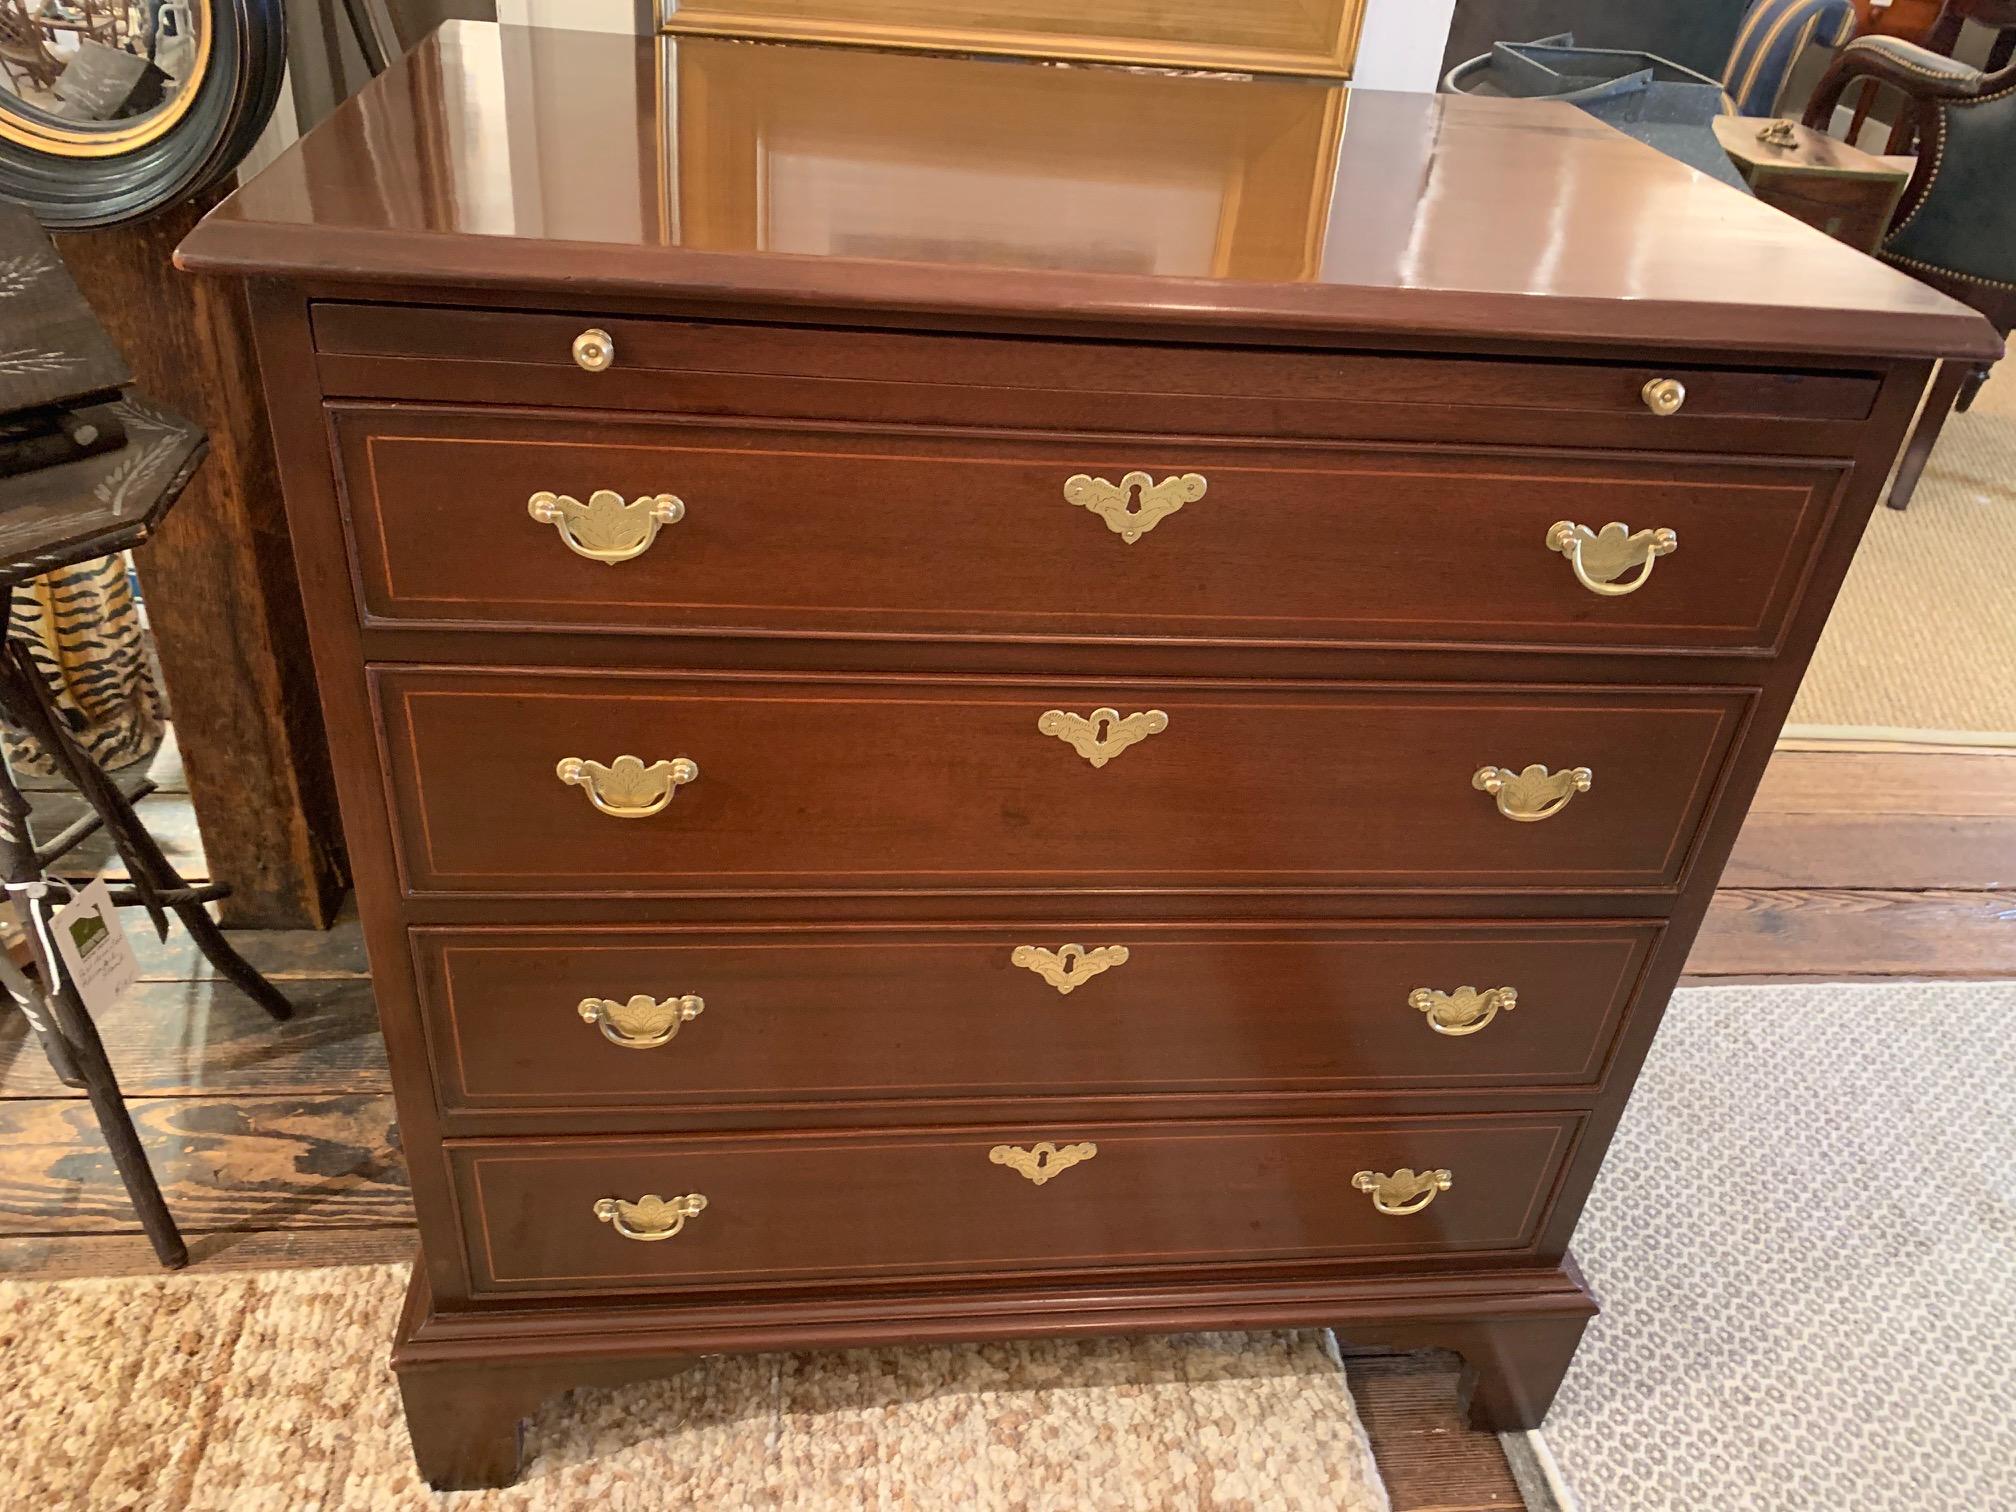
66, 498
1846, 192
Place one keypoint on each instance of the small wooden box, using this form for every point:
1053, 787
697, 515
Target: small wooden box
1842, 190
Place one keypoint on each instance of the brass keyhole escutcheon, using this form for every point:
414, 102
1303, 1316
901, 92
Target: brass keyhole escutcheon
1102, 734
1114, 503
1068, 966
1041, 1163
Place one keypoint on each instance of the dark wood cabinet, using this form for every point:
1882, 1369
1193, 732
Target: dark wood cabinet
963, 744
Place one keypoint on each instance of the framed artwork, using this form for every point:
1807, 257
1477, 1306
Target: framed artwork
1311, 37
831, 152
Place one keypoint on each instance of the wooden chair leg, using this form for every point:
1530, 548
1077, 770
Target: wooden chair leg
1865, 101
1971, 386
1946, 386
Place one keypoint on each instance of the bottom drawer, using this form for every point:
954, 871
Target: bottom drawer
566, 1215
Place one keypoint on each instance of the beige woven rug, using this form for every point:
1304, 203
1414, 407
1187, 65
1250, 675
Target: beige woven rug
268, 1392
1804, 1240
1923, 639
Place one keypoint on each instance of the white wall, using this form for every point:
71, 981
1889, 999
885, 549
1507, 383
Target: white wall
581, 15
1401, 47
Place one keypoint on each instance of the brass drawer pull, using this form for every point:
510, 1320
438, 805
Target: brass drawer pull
1042, 1161
1464, 1011
1534, 794
1069, 965
595, 350
649, 1219
1600, 557
1663, 396
1404, 1191
627, 789
1103, 734
643, 1023
1158, 500
606, 529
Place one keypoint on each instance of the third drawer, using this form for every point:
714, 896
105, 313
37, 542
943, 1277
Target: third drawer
560, 1021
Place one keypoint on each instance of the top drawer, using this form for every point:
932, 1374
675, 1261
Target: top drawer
513, 519
730, 369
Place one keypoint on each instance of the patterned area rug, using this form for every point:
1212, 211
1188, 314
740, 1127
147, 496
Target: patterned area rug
1920, 640
1805, 1244
268, 1392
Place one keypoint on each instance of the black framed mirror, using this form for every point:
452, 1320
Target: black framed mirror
113, 109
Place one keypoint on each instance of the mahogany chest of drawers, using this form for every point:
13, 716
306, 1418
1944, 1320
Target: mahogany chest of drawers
958, 719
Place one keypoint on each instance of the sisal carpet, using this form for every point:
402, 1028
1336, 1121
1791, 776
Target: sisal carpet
1923, 638
269, 1390
1805, 1245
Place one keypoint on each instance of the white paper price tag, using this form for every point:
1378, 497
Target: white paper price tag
96, 953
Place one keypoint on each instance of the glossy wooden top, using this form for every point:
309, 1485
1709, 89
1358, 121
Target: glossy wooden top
728, 173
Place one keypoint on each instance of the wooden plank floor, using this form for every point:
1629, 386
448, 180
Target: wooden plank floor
278, 1145
1870, 862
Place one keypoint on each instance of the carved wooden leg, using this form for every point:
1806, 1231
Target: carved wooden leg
1512, 1368
1946, 385
467, 1423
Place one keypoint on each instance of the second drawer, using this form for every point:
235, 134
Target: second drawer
517, 783
557, 1020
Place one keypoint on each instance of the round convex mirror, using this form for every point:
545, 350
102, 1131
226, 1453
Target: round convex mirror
112, 109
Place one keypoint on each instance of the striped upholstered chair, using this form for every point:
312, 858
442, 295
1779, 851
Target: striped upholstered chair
1770, 39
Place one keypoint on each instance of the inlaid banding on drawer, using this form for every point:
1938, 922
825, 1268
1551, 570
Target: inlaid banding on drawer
893, 784
908, 534
881, 1205
844, 1018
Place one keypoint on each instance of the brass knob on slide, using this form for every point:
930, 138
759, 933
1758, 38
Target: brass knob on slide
595, 350
1664, 396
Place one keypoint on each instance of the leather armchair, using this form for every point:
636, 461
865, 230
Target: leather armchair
1955, 227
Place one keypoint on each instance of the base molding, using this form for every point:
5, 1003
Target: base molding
470, 1377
